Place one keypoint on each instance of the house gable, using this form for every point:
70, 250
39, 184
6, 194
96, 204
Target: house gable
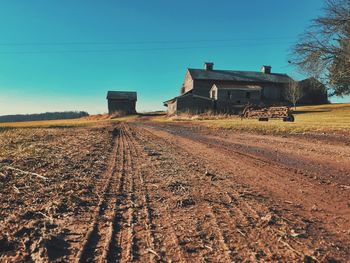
188, 83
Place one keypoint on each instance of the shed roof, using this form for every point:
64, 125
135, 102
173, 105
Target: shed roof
122, 95
190, 92
177, 97
242, 76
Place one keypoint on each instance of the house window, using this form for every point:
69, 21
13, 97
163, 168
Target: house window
247, 95
229, 95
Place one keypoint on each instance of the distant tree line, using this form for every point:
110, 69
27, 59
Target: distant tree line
44, 116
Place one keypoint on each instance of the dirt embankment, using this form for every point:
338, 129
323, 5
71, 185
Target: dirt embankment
160, 193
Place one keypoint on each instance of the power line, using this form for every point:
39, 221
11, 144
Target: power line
140, 49
137, 42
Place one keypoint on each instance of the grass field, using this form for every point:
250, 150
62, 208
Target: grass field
328, 118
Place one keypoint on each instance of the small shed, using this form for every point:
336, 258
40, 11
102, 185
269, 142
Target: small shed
123, 102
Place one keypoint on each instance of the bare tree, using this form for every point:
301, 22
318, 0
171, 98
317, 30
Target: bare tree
323, 51
294, 92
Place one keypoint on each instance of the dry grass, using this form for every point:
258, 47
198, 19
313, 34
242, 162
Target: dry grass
85, 121
328, 118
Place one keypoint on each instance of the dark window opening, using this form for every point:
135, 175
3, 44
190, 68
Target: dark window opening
247, 95
229, 95
213, 94
182, 90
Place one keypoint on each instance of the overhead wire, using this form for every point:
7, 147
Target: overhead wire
126, 46
60, 43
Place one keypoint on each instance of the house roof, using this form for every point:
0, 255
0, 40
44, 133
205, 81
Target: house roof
242, 76
237, 87
180, 96
122, 95
184, 95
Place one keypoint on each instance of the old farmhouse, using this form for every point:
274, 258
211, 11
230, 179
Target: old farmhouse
123, 102
229, 90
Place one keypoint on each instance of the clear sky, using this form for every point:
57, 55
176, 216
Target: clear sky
65, 54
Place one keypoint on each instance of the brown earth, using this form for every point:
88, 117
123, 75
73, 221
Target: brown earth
149, 192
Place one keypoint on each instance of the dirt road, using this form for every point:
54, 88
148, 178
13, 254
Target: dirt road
180, 193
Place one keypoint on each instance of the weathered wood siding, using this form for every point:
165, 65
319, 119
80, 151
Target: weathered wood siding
273, 92
202, 87
227, 100
121, 106
238, 96
172, 107
190, 104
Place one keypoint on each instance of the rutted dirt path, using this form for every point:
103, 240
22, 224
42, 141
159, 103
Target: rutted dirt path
320, 197
174, 194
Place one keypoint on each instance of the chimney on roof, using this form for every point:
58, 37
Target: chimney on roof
208, 65
266, 69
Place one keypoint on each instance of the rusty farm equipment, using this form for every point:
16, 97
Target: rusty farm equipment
263, 113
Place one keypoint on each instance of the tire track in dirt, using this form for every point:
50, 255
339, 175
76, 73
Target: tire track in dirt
132, 238
123, 229
98, 234
221, 244
123, 237
267, 241
168, 235
125, 246
146, 232
143, 227
111, 237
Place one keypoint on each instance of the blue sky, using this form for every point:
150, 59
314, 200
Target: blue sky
65, 54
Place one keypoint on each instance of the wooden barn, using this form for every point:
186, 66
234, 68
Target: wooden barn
224, 90
230, 90
123, 102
